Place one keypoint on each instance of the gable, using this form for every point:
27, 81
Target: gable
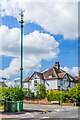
66, 77
34, 76
50, 74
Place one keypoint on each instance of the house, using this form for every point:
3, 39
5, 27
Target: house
17, 82
53, 78
3, 84
78, 78
26, 82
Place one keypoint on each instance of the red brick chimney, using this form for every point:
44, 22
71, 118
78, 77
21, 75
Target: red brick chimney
79, 73
57, 65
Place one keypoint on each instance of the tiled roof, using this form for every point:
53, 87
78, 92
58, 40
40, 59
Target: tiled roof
70, 77
61, 75
48, 72
56, 74
3, 84
39, 74
78, 79
26, 79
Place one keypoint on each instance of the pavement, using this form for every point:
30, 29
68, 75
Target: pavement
40, 112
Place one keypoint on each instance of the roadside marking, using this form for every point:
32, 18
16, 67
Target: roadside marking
45, 111
39, 110
45, 117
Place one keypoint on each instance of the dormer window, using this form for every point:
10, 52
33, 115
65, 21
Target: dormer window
50, 75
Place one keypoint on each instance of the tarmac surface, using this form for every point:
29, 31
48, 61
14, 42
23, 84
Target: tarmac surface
43, 112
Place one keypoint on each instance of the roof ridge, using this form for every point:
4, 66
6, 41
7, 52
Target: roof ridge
47, 70
38, 72
67, 73
25, 79
63, 71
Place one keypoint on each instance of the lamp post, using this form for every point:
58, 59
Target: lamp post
21, 69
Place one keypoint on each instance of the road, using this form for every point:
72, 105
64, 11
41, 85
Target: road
54, 111
48, 112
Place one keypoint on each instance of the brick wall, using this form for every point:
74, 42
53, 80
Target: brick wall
37, 101
68, 104
44, 101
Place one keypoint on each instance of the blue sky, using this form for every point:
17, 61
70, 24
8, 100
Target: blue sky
68, 47
68, 55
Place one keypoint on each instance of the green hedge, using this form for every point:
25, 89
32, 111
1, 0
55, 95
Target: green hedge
12, 94
56, 96
74, 92
53, 96
73, 95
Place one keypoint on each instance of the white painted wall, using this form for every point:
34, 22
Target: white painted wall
72, 84
51, 84
25, 85
35, 77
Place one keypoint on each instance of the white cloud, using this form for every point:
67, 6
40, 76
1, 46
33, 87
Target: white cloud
55, 17
12, 70
72, 71
10, 39
37, 46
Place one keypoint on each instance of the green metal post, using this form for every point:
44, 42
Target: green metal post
61, 87
61, 96
21, 77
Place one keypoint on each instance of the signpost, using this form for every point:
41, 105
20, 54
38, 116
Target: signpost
61, 90
3, 79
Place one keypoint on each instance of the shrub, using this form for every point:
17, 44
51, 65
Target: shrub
74, 93
53, 96
29, 93
12, 94
56, 96
40, 91
65, 97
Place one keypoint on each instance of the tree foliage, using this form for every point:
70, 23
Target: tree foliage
74, 92
29, 93
12, 94
40, 90
53, 96
73, 95
56, 96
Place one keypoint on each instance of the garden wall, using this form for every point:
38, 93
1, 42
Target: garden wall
68, 104
44, 101
36, 101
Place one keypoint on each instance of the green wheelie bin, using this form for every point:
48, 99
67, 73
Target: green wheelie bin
12, 105
19, 105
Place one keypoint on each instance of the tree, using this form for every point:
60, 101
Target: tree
75, 92
29, 93
12, 94
40, 90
